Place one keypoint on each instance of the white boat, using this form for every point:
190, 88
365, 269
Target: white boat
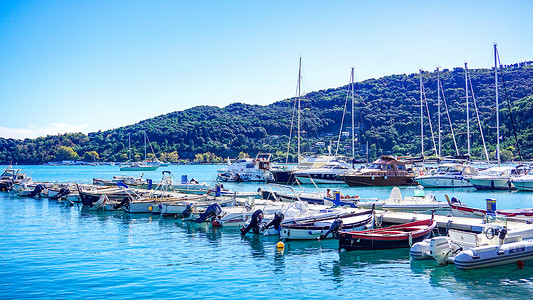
524, 182
497, 178
419, 202
247, 169
11, 177
447, 176
329, 173
137, 166
494, 246
317, 227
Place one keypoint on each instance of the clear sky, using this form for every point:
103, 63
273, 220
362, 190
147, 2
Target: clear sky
82, 66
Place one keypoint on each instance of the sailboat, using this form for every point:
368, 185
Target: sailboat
285, 175
138, 166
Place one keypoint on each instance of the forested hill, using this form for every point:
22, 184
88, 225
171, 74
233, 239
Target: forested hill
387, 113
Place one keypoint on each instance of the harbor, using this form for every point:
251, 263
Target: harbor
117, 252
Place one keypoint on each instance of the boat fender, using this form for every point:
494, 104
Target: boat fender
520, 264
334, 228
255, 220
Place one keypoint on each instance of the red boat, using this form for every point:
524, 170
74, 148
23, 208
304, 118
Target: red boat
461, 210
398, 236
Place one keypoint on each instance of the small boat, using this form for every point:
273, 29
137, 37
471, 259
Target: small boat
524, 182
386, 171
397, 236
447, 176
494, 246
460, 209
11, 177
497, 178
319, 228
419, 202
329, 173
138, 166
247, 169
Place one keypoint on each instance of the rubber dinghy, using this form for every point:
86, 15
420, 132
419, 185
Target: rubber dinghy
398, 236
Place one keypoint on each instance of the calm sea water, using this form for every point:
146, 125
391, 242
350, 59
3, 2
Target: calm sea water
51, 250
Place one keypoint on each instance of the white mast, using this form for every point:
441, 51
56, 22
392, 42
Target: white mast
129, 146
353, 117
497, 104
467, 112
421, 117
299, 93
438, 103
145, 145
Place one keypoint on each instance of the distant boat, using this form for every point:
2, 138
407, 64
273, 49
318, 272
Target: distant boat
146, 165
447, 176
247, 169
497, 178
386, 171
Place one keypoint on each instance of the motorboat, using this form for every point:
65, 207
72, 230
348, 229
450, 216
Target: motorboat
524, 182
247, 169
497, 178
447, 176
11, 177
138, 166
329, 173
397, 236
321, 228
285, 175
495, 245
420, 202
386, 171
460, 209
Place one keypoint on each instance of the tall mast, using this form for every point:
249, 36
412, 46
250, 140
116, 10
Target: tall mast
467, 112
497, 104
145, 145
421, 117
299, 93
129, 146
438, 103
353, 118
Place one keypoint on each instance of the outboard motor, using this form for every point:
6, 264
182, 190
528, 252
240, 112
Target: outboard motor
212, 210
276, 222
124, 203
440, 248
62, 192
257, 217
334, 228
37, 191
188, 211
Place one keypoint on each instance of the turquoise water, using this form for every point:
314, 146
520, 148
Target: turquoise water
51, 250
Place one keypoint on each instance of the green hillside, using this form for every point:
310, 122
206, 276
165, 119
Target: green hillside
387, 114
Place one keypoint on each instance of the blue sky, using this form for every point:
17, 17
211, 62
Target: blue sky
84, 66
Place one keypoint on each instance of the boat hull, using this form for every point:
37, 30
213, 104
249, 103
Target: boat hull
351, 242
374, 180
491, 256
283, 176
443, 182
492, 184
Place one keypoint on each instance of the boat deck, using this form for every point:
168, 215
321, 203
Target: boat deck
444, 223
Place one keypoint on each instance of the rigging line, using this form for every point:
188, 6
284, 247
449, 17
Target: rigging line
449, 120
343, 115
477, 115
429, 121
510, 112
296, 99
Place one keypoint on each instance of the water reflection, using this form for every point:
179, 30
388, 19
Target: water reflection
496, 282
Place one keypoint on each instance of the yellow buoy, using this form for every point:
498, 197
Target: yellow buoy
280, 245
